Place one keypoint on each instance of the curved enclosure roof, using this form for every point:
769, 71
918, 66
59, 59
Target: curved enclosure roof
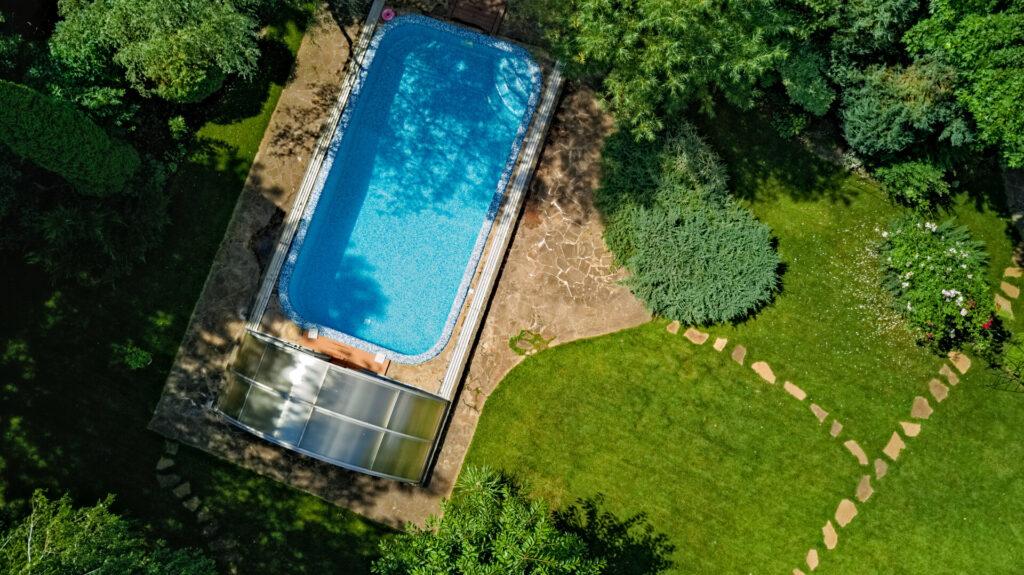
345, 417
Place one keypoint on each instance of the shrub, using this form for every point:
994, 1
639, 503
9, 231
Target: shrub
130, 355
937, 274
488, 526
54, 135
693, 253
803, 75
916, 184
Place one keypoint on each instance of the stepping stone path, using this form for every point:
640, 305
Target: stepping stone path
812, 559
226, 547
921, 409
864, 489
696, 336
739, 353
672, 328
1003, 305
857, 451
910, 429
828, 533
881, 468
720, 343
1010, 290
794, 391
818, 412
764, 370
939, 391
960, 361
845, 513
949, 374
837, 428
894, 447
1013, 272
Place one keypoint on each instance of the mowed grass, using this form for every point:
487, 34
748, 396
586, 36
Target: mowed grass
730, 468
663, 427
75, 422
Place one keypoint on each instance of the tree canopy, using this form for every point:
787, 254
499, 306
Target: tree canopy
59, 539
488, 526
180, 51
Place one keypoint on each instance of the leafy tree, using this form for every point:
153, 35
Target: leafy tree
56, 136
804, 77
58, 539
656, 57
488, 526
915, 183
888, 108
984, 41
693, 253
872, 27
181, 50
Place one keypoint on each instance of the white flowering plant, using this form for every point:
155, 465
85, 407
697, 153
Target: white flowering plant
937, 274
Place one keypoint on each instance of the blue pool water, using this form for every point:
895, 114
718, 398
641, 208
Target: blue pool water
394, 229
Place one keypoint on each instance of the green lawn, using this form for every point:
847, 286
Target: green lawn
742, 479
73, 422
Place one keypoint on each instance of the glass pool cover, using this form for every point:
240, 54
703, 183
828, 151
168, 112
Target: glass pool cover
337, 415
386, 248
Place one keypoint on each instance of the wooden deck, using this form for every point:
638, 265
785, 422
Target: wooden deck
484, 14
345, 355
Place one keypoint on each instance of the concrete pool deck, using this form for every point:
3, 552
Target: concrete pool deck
557, 279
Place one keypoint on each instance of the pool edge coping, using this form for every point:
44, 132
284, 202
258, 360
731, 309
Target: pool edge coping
336, 135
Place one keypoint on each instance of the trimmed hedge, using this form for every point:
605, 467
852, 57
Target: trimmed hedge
694, 254
56, 136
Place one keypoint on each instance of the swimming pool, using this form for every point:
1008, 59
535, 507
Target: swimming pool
394, 228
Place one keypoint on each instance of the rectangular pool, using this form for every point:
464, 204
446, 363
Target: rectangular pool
389, 240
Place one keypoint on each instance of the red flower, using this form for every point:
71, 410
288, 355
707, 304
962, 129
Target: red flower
987, 324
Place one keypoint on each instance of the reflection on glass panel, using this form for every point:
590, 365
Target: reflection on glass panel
262, 409
292, 421
416, 415
341, 440
233, 396
402, 457
292, 372
357, 398
249, 353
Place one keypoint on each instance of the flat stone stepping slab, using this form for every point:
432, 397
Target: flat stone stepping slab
720, 343
1013, 272
794, 391
895, 446
881, 468
167, 481
921, 409
812, 559
857, 451
1010, 289
949, 374
829, 535
1003, 305
960, 361
864, 489
818, 412
164, 463
192, 504
672, 328
182, 491
171, 447
910, 429
739, 353
845, 512
764, 370
798, 572
696, 336
837, 428
939, 391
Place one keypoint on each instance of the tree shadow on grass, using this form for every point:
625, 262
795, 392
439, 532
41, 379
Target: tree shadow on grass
629, 546
242, 98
